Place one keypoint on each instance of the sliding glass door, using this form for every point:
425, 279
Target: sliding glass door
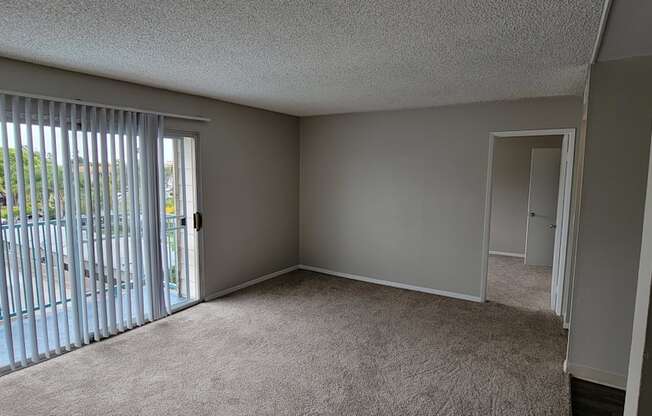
97, 232
180, 192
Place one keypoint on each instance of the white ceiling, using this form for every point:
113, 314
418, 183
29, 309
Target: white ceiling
316, 57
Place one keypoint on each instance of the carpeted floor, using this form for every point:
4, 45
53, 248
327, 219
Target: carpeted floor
310, 344
511, 282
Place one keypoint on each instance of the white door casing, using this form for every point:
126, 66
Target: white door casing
559, 286
566, 234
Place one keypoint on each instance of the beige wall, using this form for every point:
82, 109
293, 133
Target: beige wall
511, 186
399, 195
611, 219
248, 161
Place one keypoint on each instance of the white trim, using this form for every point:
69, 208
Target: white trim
641, 326
252, 282
594, 375
569, 140
108, 106
185, 305
506, 253
603, 24
559, 294
529, 133
486, 226
454, 295
576, 208
248, 283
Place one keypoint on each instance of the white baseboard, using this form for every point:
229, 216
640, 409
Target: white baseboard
260, 279
248, 283
595, 375
392, 284
507, 253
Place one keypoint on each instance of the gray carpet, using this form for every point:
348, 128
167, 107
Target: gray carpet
309, 344
511, 282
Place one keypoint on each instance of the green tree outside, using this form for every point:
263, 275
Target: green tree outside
38, 161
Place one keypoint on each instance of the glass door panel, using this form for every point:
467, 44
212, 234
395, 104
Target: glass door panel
180, 205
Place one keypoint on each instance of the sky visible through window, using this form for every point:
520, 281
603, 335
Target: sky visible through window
168, 153
114, 177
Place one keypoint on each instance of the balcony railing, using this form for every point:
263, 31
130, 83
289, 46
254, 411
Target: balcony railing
60, 252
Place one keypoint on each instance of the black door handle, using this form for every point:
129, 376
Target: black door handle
197, 221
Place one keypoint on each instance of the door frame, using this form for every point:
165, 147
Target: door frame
201, 284
563, 245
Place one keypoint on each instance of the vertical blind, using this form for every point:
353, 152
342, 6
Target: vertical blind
82, 253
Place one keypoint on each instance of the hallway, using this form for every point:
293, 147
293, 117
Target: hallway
510, 282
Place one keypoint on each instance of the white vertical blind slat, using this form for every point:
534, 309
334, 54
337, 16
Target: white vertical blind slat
90, 230
58, 226
131, 215
4, 292
116, 223
24, 232
70, 229
136, 218
97, 209
147, 160
144, 161
11, 234
36, 234
149, 222
142, 187
160, 141
123, 128
106, 215
52, 298
78, 224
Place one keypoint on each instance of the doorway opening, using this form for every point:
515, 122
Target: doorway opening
527, 213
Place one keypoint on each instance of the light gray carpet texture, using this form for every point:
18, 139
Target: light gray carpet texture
511, 282
309, 344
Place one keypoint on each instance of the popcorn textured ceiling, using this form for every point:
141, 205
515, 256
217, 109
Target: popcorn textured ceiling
316, 57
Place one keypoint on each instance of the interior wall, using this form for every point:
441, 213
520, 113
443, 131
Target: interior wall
619, 126
249, 161
639, 375
511, 187
399, 195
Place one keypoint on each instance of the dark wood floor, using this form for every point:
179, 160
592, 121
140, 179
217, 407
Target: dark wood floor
590, 399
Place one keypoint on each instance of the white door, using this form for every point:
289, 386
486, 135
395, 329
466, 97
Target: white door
542, 206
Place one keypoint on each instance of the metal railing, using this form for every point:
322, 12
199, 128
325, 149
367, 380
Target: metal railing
175, 225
